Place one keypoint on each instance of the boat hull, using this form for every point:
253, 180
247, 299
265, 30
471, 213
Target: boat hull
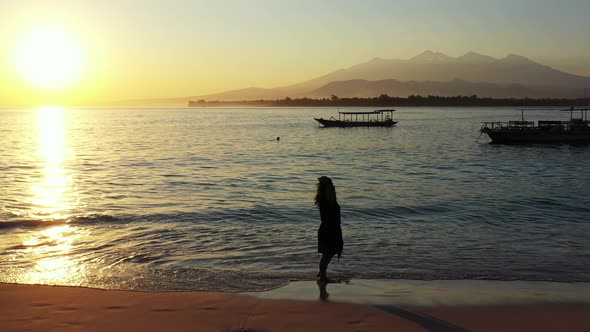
537, 137
345, 124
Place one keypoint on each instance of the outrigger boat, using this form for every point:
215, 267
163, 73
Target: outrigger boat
377, 118
574, 131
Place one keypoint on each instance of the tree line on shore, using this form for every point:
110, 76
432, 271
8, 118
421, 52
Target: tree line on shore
387, 101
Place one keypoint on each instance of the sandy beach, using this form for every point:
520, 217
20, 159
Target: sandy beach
55, 308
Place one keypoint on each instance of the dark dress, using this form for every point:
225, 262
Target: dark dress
330, 234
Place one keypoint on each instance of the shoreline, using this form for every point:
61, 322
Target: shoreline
356, 305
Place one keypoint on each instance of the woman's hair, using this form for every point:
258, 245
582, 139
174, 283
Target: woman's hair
326, 193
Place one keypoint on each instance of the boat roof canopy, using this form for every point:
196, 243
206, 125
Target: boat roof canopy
370, 112
555, 109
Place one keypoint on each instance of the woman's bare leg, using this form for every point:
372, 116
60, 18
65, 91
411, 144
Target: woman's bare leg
324, 261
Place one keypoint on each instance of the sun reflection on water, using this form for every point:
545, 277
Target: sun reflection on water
51, 250
53, 196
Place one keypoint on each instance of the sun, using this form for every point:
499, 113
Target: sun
49, 58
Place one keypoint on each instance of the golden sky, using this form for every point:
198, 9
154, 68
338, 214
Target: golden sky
135, 49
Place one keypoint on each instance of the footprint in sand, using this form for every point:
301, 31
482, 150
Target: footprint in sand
115, 307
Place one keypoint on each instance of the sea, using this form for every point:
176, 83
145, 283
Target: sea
221, 199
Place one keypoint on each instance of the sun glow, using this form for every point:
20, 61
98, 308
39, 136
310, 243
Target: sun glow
49, 58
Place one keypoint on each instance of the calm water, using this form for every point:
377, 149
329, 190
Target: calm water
195, 199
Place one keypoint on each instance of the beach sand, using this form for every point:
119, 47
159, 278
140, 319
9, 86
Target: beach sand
56, 308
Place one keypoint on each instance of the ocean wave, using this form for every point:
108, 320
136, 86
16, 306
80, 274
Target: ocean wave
17, 222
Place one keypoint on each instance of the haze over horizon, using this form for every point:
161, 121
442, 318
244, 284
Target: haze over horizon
155, 49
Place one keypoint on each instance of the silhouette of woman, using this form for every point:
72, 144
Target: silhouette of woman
330, 240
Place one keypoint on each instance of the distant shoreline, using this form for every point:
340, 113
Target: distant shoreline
387, 101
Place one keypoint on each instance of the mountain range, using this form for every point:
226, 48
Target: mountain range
429, 73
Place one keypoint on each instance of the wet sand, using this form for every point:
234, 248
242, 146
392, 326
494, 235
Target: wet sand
55, 308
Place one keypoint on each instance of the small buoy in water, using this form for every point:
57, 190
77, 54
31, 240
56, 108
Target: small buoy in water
278, 138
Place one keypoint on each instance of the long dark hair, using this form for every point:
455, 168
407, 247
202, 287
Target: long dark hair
326, 193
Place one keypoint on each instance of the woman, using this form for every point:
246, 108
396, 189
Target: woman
329, 234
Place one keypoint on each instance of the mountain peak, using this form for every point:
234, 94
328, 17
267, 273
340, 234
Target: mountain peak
376, 59
431, 57
517, 59
472, 57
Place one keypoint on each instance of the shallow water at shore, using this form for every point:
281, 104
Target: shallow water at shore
433, 293
195, 199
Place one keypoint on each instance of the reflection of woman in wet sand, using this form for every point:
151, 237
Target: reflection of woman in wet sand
330, 234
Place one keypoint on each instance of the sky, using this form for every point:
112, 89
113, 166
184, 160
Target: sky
137, 49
